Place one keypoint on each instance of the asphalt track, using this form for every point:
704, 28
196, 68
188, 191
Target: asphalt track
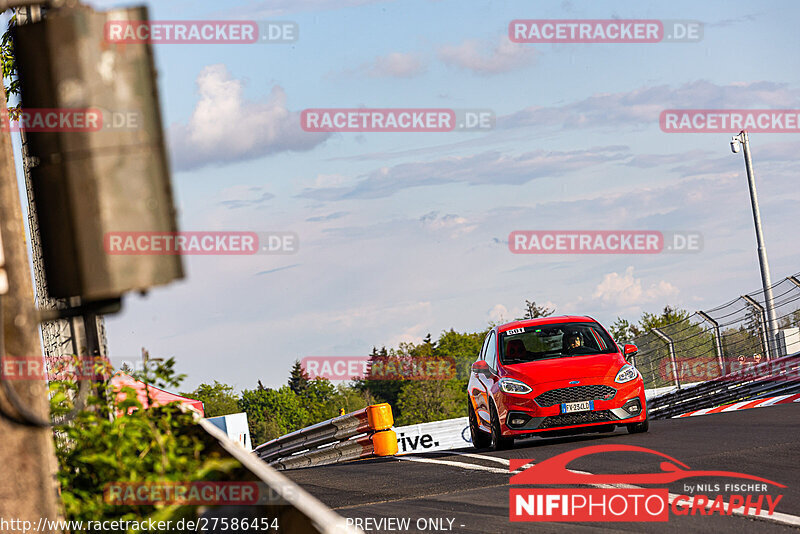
472, 487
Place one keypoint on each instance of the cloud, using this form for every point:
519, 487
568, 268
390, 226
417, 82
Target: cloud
244, 197
499, 314
484, 58
624, 290
644, 105
329, 217
745, 19
271, 8
451, 223
485, 168
226, 128
413, 334
647, 161
275, 270
394, 65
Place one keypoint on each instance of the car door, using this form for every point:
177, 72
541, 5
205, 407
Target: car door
487, 380
477, 387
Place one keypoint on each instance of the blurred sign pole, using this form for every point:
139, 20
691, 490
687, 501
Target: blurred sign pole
28, 486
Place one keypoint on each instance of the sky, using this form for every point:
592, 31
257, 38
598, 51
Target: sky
403, 234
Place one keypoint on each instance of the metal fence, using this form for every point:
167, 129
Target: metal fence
721, 341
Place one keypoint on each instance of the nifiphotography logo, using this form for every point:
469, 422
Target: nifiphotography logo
621, 497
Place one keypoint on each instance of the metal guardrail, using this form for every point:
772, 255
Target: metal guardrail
780, 376
706, 344
297, 510
359, 434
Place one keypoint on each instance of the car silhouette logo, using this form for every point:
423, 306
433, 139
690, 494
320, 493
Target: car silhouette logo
575, 382
554, 470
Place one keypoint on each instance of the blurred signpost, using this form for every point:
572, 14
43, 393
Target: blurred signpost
82, 185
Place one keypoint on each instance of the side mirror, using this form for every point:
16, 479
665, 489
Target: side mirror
481, 367
630, 350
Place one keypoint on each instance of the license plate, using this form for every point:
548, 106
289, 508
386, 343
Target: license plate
571, 407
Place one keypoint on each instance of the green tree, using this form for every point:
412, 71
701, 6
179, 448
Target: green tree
790, 320
622, 330
376, 386
740, 342
695, 351
534, 311
669, 316
430, 400
319, 398
298, 378
10, 67
416, 401
218, 399
463, 347
272, 412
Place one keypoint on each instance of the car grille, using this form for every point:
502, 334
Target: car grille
575, 394
579, 418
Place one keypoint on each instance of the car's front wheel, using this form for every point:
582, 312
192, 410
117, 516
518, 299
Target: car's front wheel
480, 439
497, 441
638, 428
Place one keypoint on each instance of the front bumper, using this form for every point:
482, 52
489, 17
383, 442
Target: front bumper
521, 414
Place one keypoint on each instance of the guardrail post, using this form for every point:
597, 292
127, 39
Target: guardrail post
673, 360
764, 335
717, 339
381, 420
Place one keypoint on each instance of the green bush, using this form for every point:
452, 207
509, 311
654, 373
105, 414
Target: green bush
157, 445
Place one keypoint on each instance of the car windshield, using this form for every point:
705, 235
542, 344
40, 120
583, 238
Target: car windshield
558, 340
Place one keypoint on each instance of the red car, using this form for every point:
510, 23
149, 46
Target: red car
552, 375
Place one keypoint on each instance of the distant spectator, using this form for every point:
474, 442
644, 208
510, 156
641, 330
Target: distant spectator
742, 363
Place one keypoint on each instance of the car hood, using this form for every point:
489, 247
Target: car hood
573, 367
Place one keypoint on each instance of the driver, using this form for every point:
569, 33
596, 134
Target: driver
515, 349
572, 342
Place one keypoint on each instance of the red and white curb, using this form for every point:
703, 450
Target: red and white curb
746, 405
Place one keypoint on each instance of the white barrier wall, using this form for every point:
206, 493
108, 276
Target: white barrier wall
436, 436
235, 426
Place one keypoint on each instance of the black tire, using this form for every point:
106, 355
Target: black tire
480, 439
497, 441
638, 428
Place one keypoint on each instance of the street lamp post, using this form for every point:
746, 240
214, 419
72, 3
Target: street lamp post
771, 326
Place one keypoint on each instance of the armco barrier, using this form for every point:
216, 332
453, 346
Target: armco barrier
355, 435
780, 376
295, 509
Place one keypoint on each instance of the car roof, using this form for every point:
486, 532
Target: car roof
545, 320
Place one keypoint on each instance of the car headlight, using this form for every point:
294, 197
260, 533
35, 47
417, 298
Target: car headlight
626, 373
515, 387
